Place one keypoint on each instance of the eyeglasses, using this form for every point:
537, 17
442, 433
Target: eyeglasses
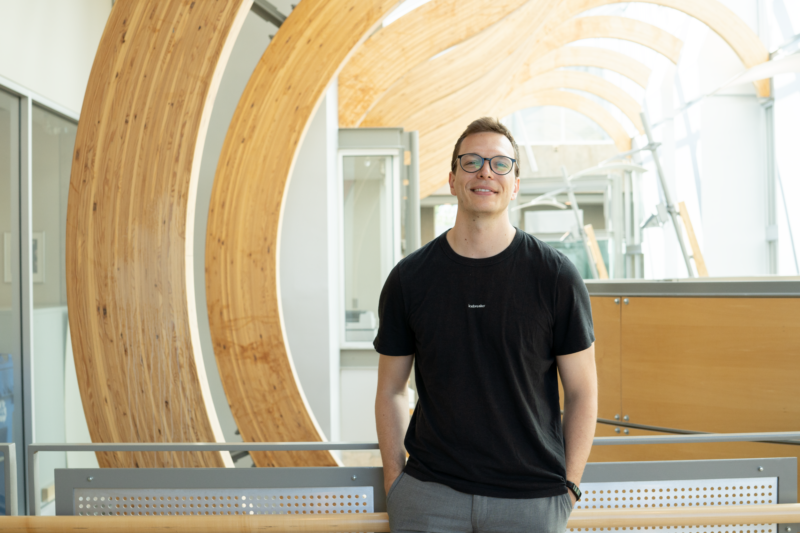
499, 164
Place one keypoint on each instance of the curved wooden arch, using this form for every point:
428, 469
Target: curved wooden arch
415, 37
242, 240
480, 96
502, 44
581, 81
720, 19
129, 227
584, 56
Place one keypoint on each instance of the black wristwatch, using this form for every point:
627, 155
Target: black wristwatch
575, 490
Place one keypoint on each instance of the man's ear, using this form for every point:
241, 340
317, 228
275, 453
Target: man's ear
451, 179
516, 189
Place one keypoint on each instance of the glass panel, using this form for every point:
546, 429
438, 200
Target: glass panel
10, 331
367, 241
53, 144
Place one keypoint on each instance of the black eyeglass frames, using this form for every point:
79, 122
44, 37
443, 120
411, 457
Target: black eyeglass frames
500, 164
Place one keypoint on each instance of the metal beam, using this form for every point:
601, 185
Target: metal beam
268, 12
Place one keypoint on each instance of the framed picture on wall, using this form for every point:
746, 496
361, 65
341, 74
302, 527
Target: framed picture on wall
37, 257
7, 257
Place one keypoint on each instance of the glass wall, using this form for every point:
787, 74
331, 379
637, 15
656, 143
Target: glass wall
368, 240
10, 329
53, 141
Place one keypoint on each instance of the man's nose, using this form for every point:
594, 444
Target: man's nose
486, 170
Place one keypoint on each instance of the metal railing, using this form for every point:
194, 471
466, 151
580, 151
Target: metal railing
9, 460
34, 500
34, 496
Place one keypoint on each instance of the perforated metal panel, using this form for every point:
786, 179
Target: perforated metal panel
165, 502
683, 493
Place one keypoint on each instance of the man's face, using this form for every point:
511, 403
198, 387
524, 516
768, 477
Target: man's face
484, 191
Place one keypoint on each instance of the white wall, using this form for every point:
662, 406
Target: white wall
307, 242
309, 285
48, 46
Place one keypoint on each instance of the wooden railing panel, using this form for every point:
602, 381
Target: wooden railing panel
723, 365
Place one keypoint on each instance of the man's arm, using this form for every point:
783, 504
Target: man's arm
391, 413
579, 379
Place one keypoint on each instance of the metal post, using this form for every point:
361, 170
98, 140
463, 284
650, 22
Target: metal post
582, 232
772, 224
668, 197
413, 236
26, 281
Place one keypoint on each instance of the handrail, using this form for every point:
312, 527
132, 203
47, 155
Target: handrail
33, 449
660, 429
379, 522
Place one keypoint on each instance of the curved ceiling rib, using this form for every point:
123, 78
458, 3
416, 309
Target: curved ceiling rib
720, 19
242, 248
584, 56
581, 81
413, 38
129, 227
499, 47
482, 95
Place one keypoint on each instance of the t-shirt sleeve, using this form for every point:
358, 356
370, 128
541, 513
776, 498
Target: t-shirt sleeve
572, 326
395, 336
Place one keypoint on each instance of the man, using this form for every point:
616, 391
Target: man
492, 316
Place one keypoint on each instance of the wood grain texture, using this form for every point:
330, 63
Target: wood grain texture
726, 365
497, 62
423, 86
242, 243
483, 62
129, 227
415, 37
697, 253
341, 523
582, 81
379, 522
584, 56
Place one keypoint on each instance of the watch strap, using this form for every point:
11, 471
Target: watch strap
575, 490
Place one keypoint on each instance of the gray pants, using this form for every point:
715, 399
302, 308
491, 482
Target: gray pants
421, 506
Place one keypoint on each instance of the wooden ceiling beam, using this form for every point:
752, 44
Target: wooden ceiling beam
129, 271
242, 248
415, 37
485, 92
581, 81
488, 59
584, 56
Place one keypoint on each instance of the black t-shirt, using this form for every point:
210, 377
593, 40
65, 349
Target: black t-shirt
486, 334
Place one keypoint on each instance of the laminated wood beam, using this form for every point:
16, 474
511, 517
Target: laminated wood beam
420, 88
417, 36
582, 81
488, 59
485, 91
242, 239
584, 56
129, 227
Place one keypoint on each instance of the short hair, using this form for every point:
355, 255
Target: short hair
485, 125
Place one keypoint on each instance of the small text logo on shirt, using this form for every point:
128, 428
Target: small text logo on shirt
474, 306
